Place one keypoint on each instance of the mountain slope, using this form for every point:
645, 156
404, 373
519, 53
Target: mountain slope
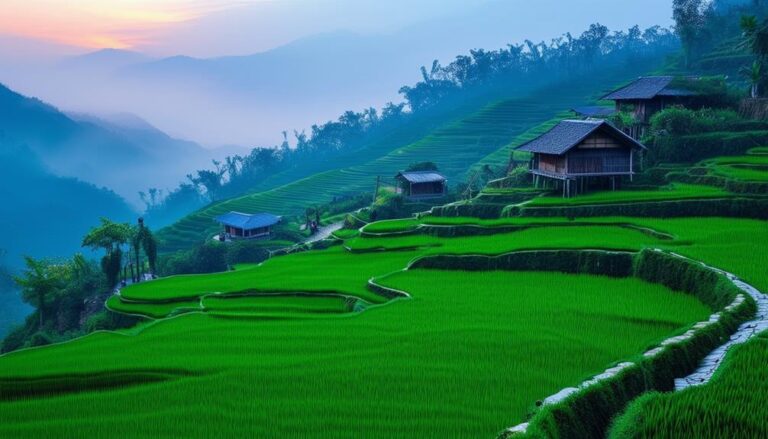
473, 134
124, 158
43, 215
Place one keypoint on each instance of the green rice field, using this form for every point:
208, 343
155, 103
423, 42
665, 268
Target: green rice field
465, 357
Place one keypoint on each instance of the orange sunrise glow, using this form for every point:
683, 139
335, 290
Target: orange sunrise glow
93, 24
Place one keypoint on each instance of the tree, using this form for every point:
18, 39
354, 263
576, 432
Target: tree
754, 73
421, 166
41, 283
149, 244
109, 236
210, 180
143, 239
689, 21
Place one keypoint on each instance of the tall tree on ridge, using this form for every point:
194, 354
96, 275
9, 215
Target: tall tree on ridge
689, 21
109, 236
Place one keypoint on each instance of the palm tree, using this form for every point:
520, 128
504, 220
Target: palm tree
754, 73
40, 284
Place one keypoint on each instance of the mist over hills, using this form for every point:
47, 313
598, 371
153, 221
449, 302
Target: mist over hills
314, 77
123, 153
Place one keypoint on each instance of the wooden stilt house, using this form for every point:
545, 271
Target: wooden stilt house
575, 154
648, 95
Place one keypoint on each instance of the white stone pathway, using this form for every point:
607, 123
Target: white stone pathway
746, 331
324, 232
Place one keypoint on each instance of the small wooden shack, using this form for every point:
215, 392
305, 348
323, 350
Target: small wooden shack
648, 95
577, 153
421, 184
238, 225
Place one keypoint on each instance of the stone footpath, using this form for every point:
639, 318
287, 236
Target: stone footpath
746, 331
324, 232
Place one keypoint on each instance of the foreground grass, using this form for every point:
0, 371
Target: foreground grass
732, 405
674, 191
465, 357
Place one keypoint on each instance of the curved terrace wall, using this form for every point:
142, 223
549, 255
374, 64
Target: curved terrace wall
726, 207
588, 409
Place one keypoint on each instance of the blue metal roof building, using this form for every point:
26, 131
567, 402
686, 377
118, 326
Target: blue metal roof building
244, 225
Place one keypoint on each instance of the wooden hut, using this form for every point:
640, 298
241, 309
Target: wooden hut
648, 95
421, 184
239, 225
577, 153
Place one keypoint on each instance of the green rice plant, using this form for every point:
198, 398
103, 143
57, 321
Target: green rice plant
278, 303
675, 191
731, 405
154, 309
587, 236
346, 233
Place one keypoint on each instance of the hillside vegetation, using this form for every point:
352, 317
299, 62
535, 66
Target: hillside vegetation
455, 146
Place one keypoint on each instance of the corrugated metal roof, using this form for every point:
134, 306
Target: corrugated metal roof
421, 176
569, 133
248, 221
648, 87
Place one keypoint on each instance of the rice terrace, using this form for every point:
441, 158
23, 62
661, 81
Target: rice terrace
564, 239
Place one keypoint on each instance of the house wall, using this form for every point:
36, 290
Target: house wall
599, 161
551, 163
434, 188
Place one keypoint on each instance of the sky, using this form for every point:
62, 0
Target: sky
301, 62
209, 28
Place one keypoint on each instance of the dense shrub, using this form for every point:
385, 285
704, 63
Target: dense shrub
240, 252
696, 147
678, 121
606, 263
397, 207
108, 320
209, 257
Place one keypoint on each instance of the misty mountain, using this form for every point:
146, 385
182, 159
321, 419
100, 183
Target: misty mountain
248, 100
124, 153
45, 215
104, 60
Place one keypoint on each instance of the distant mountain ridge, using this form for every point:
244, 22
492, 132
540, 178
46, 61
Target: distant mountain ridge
125, 154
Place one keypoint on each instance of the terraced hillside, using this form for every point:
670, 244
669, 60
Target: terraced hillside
456, 146
282, 328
